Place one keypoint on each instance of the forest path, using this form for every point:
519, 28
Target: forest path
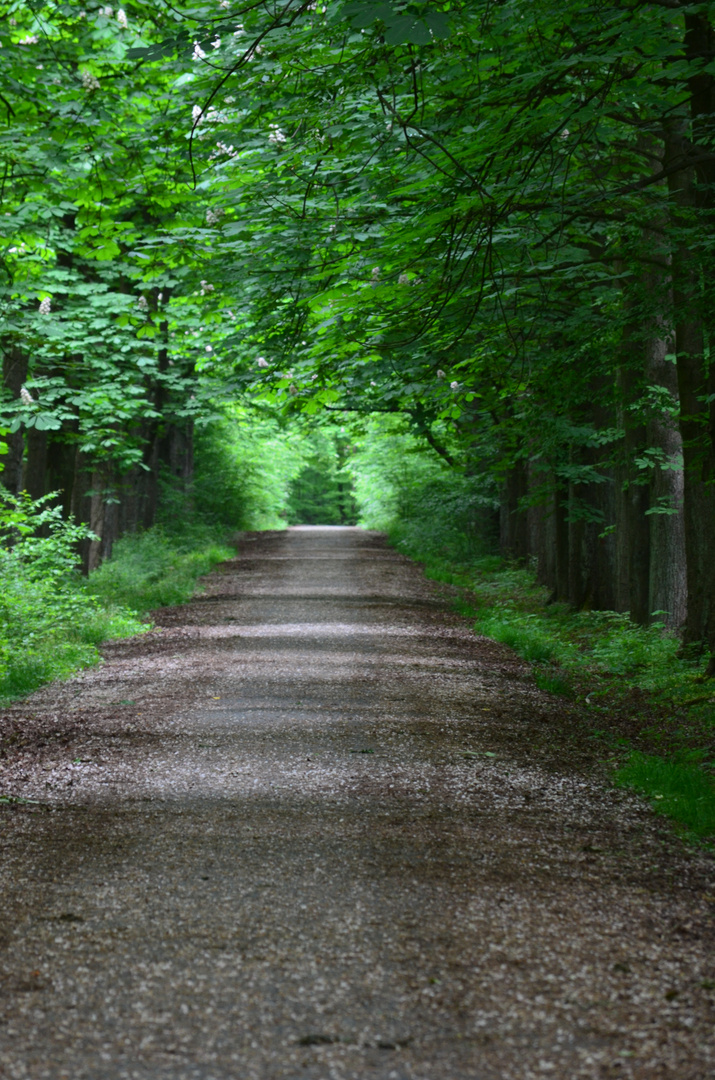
262, 853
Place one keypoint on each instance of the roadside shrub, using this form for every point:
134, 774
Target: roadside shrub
49, 624
431, 511
154, 569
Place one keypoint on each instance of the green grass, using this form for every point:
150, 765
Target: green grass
52, 621
553, 683
48, 634
682, 790
631, 684
155, 569
508, 605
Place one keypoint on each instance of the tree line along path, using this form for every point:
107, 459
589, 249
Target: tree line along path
313, 827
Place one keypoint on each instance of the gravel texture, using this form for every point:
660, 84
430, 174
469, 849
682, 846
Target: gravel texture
312, 827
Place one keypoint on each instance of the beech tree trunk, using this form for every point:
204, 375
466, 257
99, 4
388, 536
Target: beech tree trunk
667, 599
97, 497
35, 472
691, 193
513, 524
633, 496
14, 372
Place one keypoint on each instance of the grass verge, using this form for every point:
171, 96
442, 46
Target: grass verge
156, 569
679, 789
52, 622
639, 700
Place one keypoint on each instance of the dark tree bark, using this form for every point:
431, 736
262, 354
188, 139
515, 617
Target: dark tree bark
14, 371
667, 579
633, 496
35, 472
513, 524
692, 201
651, 560
97, 508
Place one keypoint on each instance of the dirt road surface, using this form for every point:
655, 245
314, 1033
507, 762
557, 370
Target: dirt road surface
315, 828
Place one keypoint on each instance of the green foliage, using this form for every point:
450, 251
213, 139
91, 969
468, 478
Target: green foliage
429, 508
321, 493
681, 789
156, 569
511, 607
552, 683
245, 464
49, 625
441, 211
522, 634
609, 666
255, 471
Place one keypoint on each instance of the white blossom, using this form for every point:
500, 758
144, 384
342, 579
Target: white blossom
375, 273
198, 53
213, 217
122, 19
262, 362
45, 306
26, 396
403, 279
209, 348
90, 81
454, 386
31, 39
224, 3
216, 44
292, 389
196, 113
221, 148
313, 378
275, 135
441, 374
107, 11
142, 303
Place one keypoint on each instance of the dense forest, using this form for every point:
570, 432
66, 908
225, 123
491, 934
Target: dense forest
464, 246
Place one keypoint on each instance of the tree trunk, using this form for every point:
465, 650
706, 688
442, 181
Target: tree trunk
14, 371
695, 384
667, 599
513, 525
35, 472
96, 518
692, 203
633, 498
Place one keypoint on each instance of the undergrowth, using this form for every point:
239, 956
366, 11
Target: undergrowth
49, 624
639, 695
678, 788
52, 620
156, 569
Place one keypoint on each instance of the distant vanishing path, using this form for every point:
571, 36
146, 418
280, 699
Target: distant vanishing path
262, 853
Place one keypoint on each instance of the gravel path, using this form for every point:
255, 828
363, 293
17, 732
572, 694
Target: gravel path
315, 828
